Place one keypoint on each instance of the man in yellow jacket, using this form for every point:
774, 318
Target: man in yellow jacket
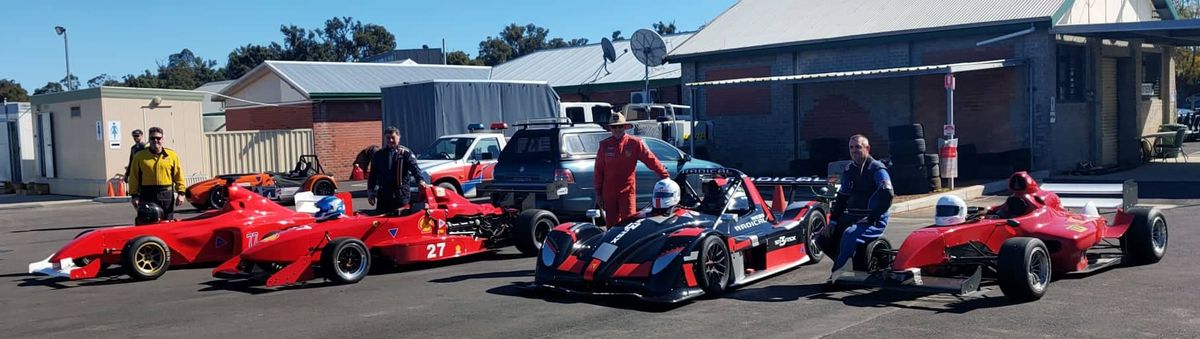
155, 175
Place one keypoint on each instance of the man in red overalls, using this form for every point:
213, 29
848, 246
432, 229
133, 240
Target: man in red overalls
616, 169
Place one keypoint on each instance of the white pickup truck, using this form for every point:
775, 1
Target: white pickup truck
672, 123
462, 161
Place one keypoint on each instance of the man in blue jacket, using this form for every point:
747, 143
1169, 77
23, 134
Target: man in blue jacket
391, 168
860, 212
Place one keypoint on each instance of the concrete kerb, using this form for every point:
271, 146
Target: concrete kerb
25, 205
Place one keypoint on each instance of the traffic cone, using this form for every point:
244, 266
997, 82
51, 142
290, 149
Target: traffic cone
110, 189
120, 188
777, 202
357, 174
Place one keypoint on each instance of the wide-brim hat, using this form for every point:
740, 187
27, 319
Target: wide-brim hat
618, 119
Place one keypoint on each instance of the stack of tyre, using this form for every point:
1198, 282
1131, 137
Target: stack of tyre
913, 171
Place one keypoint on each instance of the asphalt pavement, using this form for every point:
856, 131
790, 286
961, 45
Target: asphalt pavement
481, 297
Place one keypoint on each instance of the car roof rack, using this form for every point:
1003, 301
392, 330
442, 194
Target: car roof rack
554, 122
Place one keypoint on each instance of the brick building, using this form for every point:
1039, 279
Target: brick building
340, 102
580, 74
1040, 84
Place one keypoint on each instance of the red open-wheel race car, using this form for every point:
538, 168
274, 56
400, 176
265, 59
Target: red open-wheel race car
442, 225
1019, 245
147, 251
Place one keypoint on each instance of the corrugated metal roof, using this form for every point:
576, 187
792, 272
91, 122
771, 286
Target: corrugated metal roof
581, 65
310, 77
343, 77
865, 74
215, 86
751, 24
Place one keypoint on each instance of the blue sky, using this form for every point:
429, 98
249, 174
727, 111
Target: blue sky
123, 37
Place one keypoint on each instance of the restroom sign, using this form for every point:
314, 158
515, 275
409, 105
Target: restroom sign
114, 134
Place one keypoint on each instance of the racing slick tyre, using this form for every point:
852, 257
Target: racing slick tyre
932, 170
345, 261
931, 159
1146, 240
449, 186
145, 258
873, 256
1023, 268
323, 188
906, 132
531, 229
714, 265
218, 196
816, 221
908, 146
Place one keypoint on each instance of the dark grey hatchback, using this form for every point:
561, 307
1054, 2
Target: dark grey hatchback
548, 165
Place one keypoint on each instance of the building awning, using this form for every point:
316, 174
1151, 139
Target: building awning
865, 74
1167, 32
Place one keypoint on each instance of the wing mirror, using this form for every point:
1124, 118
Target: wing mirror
1013, 223
593, 214
974, 210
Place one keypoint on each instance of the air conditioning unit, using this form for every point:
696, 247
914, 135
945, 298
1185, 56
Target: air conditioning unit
640, 97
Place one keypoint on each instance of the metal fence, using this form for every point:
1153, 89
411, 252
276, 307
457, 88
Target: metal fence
256, 151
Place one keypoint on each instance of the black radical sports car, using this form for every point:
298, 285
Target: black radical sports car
723, 237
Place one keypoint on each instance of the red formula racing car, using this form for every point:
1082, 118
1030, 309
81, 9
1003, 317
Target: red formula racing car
342, 250
722, 236
146, 251
1019, 245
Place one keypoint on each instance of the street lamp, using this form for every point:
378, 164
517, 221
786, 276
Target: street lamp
63, 32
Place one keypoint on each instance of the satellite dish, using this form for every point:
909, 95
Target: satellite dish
648, 47
610, 53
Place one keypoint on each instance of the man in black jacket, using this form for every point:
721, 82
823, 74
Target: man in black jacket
138, 145
860, 212
391, 168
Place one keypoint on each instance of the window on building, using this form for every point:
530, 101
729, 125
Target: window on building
1152, 71
75, 113
1072, 62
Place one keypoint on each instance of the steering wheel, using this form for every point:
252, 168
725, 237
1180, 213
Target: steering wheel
446, 156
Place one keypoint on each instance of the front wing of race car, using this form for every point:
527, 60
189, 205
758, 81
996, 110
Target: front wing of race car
912, 281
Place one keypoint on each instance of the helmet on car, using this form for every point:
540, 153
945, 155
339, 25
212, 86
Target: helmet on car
148, 213
666, 194
951, 210
329, 208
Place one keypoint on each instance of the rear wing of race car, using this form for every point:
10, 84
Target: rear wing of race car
793, 188
1102, 195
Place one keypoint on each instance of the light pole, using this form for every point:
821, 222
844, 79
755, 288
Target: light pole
63, 32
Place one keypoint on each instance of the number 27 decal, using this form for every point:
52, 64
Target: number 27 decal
435, 250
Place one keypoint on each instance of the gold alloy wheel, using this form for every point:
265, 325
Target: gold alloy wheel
150, 258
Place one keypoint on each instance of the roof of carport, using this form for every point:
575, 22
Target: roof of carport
866, 74
1169, 32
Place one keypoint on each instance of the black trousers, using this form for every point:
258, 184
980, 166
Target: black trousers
164, 196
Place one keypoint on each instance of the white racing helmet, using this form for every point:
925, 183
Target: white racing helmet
666, 194
951, 210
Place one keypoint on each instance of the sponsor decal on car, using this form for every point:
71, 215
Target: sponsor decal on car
784, 240
754, 221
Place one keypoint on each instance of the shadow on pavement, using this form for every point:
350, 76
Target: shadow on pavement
525, 290
938, 303
68, 228
490, 275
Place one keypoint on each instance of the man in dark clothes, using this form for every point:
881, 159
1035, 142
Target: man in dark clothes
138, 145
391, 168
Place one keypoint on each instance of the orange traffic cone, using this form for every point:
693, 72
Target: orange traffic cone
357, 174
110, 189
777, 202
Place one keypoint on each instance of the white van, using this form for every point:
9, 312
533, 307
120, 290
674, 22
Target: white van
587, 112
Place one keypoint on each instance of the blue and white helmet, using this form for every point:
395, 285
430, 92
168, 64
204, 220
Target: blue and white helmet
329, 208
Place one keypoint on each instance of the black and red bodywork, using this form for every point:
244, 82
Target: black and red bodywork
668, 258
448, 227
958, 258
214, 236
